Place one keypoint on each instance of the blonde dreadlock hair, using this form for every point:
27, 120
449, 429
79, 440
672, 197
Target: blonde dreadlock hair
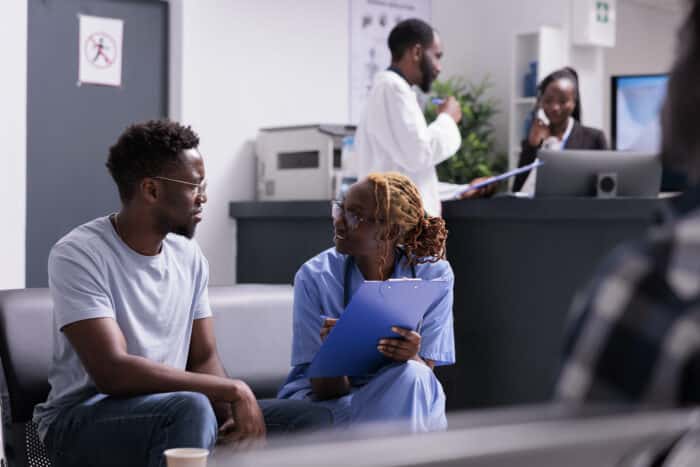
400, 205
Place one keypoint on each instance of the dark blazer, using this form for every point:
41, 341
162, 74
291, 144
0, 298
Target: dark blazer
581, 137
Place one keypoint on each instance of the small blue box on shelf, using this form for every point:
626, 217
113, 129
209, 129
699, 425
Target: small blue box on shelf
530, 81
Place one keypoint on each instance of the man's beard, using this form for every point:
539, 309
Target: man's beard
166, 225
428, 73
184, 230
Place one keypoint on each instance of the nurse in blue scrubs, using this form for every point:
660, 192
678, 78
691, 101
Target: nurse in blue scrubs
381, 232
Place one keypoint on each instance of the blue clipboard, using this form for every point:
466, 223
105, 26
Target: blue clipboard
497, 178
351, 347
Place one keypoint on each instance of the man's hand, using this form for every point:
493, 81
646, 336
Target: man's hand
401, 349
483, 192
328, 324
246, 428
225, 429
452, 108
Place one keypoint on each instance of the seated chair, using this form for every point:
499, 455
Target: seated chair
253, 325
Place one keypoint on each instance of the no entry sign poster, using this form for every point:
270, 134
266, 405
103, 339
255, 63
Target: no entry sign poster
100, 49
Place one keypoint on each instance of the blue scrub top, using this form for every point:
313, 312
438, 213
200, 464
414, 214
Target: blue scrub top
318, 293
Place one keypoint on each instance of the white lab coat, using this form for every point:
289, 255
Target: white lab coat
394, 136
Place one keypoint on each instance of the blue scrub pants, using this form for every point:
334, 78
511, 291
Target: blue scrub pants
408, 394
108, 431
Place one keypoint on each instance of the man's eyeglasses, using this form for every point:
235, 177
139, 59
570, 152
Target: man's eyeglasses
200, 189
352, 220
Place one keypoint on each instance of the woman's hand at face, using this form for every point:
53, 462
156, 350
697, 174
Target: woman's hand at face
401, 349
539, 131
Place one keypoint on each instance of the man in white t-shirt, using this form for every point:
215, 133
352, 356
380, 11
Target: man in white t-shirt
392, 134
135, 369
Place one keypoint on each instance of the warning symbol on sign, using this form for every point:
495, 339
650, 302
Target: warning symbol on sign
100, 50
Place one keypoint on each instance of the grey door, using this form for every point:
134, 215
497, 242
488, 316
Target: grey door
70, 127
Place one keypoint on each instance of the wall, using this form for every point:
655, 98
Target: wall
247, 65
13, 128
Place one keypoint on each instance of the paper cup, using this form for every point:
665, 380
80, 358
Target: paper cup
186, 457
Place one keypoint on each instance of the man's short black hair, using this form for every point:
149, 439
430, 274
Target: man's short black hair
147, 150
408, 33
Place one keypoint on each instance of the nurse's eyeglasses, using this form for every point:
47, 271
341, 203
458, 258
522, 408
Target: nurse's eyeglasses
352, 220
198, 189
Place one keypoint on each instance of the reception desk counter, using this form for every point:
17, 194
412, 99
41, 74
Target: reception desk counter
517, 265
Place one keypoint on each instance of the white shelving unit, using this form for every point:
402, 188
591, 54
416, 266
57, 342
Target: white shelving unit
548, 46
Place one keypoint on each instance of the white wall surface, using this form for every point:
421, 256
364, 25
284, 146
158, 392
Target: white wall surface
13, 132
247, 65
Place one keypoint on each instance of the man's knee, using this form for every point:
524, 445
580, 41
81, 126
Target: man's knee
284, 415
192, 413
314, 417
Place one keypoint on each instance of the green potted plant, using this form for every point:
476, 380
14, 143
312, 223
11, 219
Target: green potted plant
476, 156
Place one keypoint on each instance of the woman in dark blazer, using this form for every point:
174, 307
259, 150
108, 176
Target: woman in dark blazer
557, 121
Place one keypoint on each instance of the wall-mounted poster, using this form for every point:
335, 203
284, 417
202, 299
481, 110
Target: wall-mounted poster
370, 24
100, 50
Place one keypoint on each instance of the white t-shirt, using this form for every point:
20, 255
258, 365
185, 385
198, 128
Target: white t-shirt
394, 136
153, 299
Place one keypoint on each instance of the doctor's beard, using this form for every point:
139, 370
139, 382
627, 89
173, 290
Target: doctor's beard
428, 73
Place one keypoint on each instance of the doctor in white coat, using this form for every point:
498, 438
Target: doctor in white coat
393, 134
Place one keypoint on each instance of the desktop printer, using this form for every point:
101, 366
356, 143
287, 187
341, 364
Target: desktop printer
300, 162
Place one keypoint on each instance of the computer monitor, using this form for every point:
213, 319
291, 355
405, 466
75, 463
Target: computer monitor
636, 105
575, 173
635, 123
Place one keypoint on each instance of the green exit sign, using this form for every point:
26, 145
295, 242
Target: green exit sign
602, 10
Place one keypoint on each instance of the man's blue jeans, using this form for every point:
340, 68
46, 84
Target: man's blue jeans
109, 431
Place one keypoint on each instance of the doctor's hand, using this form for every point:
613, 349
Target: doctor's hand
403, 348
483, 192
452, 108
328, 324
